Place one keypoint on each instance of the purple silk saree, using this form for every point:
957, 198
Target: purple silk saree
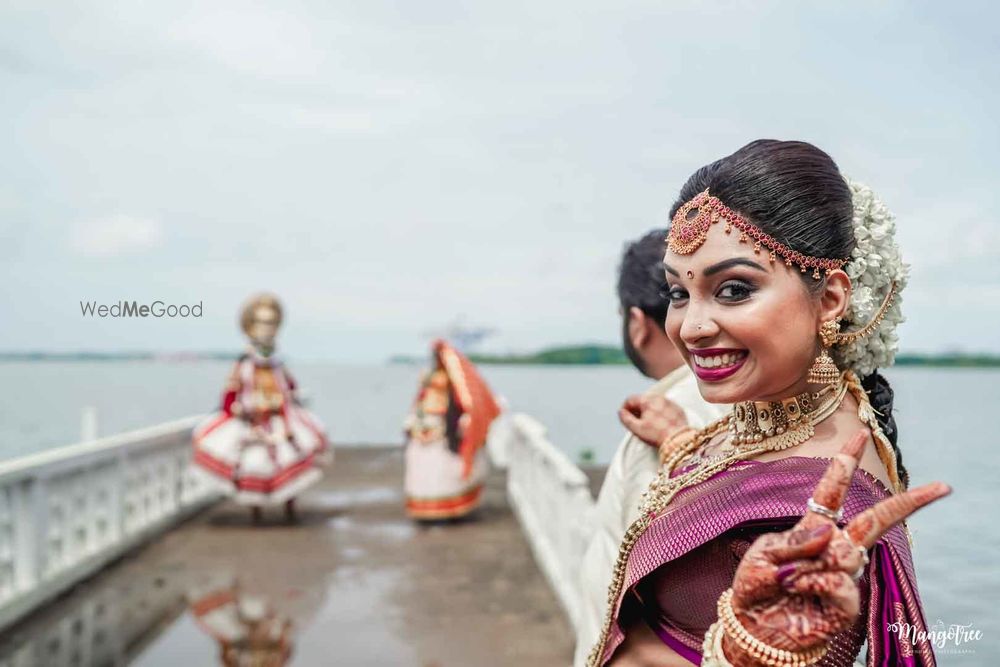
687, 557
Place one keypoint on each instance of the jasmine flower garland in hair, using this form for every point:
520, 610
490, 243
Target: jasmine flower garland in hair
874, 265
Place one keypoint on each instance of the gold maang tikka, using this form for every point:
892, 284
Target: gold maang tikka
692, 221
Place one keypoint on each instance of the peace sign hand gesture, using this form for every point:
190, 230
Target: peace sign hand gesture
795, 590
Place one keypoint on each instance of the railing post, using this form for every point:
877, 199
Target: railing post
26, 535
36, 528
117, 497
88, 424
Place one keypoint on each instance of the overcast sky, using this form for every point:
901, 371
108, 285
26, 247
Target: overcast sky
388, 167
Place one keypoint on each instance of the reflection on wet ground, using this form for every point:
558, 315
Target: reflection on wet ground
353, 582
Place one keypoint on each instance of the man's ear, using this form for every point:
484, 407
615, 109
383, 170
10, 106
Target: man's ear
835, 296
638, 327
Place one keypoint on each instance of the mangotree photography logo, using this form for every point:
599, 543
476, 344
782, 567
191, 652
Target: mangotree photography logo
158, 308
946, 638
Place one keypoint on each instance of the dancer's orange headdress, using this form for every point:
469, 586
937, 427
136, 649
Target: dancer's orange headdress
473, 396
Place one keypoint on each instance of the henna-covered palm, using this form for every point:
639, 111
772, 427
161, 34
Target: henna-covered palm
652, 418
794, 590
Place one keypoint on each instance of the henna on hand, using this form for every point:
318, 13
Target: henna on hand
868, 527
832, 488
763, 601
794, 590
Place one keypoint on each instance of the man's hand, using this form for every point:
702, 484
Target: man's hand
652, 418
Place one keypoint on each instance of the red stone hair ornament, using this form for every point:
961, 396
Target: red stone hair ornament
693, 220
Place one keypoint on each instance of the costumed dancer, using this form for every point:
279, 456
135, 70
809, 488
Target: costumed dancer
446, 462
774, 536
263, 448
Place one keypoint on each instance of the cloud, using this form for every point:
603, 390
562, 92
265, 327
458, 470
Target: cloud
323, 118
258, 40
116, 235
387, 166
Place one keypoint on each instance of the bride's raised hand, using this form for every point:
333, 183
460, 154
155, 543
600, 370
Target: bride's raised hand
796, 589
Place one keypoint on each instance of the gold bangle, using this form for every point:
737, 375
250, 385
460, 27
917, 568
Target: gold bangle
712, 654
758, 650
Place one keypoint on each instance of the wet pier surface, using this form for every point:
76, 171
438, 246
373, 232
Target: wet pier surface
351, 582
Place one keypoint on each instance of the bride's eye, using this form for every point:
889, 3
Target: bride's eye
673, 294
735, 291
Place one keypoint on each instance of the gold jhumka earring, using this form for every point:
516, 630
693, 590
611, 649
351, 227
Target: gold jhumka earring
824, 370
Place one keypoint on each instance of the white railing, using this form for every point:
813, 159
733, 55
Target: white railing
66, 512
111, 624
551, 497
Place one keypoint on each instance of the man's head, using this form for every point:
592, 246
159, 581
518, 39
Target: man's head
643, 306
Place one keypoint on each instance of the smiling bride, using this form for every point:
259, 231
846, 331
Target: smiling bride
774, 536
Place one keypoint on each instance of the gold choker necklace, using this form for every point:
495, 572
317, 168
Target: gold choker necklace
786, 423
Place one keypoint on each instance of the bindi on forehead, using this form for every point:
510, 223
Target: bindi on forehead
718, 253
718, 267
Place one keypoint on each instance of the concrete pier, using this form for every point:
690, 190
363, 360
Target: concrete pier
359, 583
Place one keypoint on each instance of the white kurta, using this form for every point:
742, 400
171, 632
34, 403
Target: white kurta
629, 474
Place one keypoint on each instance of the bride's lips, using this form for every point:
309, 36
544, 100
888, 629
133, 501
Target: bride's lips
716, 363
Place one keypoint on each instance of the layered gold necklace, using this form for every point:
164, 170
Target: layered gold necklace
784, 423
763, 426
754, 426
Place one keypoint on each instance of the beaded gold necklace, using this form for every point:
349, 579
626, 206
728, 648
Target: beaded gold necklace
784, 423
774, 425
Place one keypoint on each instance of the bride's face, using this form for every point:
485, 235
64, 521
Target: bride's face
747, 327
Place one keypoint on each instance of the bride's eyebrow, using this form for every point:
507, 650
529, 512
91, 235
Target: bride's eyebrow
670, 270
729, 263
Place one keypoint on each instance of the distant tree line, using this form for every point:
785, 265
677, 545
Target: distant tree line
607, 354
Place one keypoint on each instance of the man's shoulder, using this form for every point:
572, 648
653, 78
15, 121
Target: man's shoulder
682, 387
683, 390
633, 453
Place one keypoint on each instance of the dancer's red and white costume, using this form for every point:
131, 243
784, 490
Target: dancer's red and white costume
262, 447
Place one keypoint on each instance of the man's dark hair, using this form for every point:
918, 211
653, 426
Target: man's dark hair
640, 275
